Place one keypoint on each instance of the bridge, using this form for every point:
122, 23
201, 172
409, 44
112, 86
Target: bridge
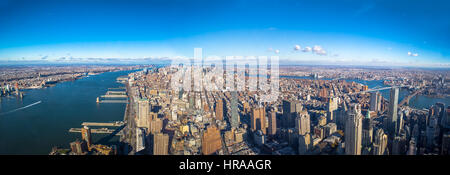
111, 124
376, 89
406, 99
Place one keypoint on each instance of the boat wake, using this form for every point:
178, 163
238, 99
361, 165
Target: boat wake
18, 109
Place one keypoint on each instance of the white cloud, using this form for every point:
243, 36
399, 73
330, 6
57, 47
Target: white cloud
307, 49
413, 54
297, 47
319, 50
277, 51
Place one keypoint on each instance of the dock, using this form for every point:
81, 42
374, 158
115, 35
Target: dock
114, 96
97, 131
110, 124
112, 101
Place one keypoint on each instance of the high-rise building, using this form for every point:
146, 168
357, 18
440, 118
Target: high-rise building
341, 116
86, 136
302, 123
374, 101
332, 106
304, 143
235, 118
289, 110
155, 126
272, 123
367, 130
143, 111
211, 140
140, 139
392, 112
380, 142
353, 131
160, 144
258, 120
219, 109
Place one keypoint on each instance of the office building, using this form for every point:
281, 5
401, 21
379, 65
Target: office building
392, 112
367, 130
219, 110
304, 144
258, 119
302, 123
272, 128
143, 111
353, 131
160, 144
235, 118
380, 142
211, 140
140, 139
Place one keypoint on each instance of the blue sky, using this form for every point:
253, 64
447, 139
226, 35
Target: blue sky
384, 32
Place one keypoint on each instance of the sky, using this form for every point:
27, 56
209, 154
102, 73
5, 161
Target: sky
361, 32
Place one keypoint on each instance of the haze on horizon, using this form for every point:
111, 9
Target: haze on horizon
368, 32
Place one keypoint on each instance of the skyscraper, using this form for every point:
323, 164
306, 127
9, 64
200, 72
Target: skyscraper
258, 120
160, 144
140, 139
211, 140
367, 130
219, 109
289, 110
235, 118
143, 111
304, 143
272, 123
392, 112
353, 130
380, 142
374, 98
302, 123
332, 106
155, 126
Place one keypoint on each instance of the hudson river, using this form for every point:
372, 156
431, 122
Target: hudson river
43, 117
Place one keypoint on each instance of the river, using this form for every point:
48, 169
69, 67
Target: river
43, 117
418, 102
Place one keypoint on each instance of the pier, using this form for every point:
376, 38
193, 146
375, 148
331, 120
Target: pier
111, 124
97, 131
113, 94
112, 101
116, 93
119, 88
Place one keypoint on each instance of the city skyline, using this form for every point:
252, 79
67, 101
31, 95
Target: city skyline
367, 33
